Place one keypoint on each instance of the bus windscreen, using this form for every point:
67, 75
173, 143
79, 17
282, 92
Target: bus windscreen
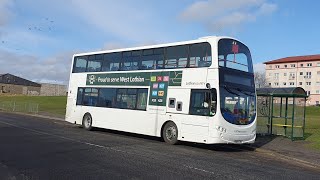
235, 55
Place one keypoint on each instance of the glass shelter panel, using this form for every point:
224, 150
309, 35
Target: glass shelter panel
263, 113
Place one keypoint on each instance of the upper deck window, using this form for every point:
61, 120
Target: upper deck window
176, 57
94, 63
172, 57
80, 64
111, 62
152, 59
200, 55
235, 55
131, 60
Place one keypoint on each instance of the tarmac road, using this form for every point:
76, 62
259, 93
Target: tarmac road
39, 148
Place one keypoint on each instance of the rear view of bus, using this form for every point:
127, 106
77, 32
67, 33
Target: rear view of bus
236, 92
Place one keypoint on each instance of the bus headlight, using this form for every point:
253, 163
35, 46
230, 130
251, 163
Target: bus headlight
221, 129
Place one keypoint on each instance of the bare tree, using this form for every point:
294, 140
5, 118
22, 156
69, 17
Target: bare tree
260, 79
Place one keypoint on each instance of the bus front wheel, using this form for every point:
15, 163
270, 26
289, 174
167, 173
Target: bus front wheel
87, 122
170, 133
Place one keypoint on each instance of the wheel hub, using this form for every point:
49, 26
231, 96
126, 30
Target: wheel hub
87, 122
171, 133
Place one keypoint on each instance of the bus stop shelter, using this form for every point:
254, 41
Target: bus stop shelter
281, 111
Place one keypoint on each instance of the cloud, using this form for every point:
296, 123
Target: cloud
218, 15
267, 8
55, 69
5, 11
24, 41
118, 19
233, 20
259, 67
114, 45
124, 20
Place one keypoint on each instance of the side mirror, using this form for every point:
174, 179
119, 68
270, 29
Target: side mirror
208, 86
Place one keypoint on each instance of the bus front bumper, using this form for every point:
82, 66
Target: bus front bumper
226, 138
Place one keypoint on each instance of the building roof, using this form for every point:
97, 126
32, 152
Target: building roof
295, 59
282, 92
12, 79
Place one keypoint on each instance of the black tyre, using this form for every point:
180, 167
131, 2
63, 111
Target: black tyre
87, 122
170, 133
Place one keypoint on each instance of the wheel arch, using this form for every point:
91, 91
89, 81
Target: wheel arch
83, 117
87, 113
168, 121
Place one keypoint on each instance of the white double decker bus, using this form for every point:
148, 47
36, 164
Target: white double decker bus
199, 91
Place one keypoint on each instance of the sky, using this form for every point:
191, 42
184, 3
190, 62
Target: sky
39, 37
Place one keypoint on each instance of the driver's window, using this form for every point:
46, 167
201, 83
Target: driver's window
202, 102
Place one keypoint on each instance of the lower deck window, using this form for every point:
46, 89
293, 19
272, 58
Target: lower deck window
90, 97
123, 98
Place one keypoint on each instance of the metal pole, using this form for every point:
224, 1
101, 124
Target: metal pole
14, 106
281, 107
293, 104
271, 115
286, 117
304, 116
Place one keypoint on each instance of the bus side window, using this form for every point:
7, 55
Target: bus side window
148, 60
200, 55
80, 64
94, 63
159, 58
199, 102
107, 59
79, 96
142, 99
107, 97
176, 57
90, 97
135, 60
131, 98
131, 60
111, 62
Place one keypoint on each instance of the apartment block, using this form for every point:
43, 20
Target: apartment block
296, 71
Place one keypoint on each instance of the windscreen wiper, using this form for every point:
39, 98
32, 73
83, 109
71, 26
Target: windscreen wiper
238, 89
226, 88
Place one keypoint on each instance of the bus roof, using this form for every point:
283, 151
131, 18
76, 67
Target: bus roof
202, 39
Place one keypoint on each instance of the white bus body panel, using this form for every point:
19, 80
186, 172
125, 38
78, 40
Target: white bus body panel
201, 129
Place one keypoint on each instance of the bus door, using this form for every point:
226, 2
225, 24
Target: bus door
197, 122
159, 82
193, 108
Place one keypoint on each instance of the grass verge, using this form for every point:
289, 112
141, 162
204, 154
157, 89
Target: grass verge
49, 105
312, 129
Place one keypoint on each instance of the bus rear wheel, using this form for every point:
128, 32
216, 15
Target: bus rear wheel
87, 122
170, 133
